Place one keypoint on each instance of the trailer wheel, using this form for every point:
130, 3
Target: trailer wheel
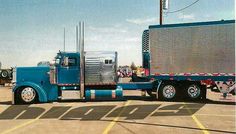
195, 92
27, 95
168, 92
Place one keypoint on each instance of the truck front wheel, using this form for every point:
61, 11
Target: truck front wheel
27, 95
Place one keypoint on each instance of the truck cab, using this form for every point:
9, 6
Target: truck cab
61, 80
65, 69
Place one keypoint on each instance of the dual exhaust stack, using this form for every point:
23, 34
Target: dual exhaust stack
80, 41
79, 38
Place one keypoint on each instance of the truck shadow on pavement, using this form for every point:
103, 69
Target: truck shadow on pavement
207, 101
149, 99
130, 114
97, 112
5, 103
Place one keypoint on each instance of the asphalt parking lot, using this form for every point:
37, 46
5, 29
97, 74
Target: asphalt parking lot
137, 115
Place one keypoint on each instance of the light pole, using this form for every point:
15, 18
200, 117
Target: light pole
161, 12
164, 5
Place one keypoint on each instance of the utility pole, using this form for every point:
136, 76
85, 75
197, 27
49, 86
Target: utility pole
161, 12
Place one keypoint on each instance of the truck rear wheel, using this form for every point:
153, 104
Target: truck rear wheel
195, 92
27, 95
168, 92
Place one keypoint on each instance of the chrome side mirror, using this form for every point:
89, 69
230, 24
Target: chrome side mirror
57, 61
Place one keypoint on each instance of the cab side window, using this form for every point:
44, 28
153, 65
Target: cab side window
72, 61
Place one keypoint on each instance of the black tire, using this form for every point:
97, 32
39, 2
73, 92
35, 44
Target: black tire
4, 74
169, 91
233, 93
23, 98
195, 92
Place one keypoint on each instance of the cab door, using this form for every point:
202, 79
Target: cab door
69, 74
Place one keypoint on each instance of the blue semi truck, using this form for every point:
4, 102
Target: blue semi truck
180, 61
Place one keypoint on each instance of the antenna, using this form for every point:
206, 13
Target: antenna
77, 44
64, 47
79, 36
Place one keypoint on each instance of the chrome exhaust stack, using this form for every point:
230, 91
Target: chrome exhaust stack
80, 48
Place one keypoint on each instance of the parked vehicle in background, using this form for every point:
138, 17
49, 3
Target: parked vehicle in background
124, 71
43, 64
5, 75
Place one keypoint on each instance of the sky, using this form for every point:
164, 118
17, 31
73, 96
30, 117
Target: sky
32, 30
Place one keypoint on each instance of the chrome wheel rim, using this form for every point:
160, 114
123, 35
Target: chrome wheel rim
28, 94
169, 91
194, 91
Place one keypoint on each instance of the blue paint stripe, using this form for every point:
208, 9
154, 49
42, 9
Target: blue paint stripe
136, 85
192, 24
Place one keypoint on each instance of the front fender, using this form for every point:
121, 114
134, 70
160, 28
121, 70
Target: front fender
41, 93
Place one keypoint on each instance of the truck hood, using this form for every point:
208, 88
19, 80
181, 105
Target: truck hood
32, 74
